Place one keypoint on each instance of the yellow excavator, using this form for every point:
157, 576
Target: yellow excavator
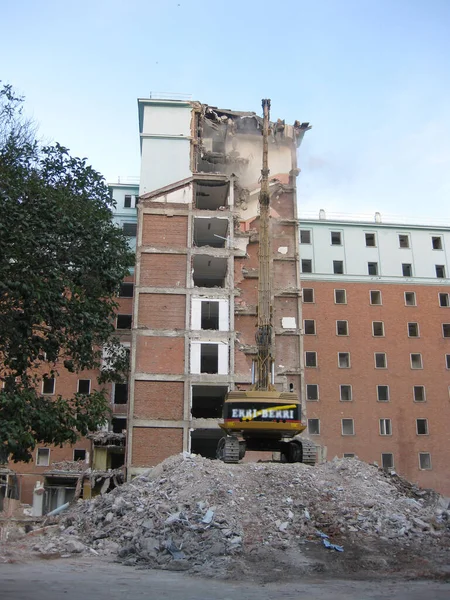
262, 418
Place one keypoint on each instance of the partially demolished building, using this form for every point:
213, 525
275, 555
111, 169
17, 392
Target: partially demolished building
196, 274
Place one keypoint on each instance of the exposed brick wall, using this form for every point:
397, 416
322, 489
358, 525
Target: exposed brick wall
284, 275
283, 205
163, 231
287, 353
153, 445
285, 307
160, 355
158, 400
162, 311
163, 270
283, 236
366, 411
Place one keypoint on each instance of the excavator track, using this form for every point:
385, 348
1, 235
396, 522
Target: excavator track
309, 452
228, 450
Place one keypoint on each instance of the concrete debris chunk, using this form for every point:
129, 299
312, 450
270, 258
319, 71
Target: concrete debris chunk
181, 515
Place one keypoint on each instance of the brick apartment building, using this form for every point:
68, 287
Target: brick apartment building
197, 272
361, 309
376, 309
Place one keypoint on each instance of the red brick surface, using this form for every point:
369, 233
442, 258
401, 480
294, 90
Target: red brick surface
153, 445
366, 411
158, 400
160, 355
163, 270
162, 311
161, 231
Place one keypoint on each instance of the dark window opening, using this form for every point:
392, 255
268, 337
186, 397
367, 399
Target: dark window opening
444, 299
209, 271
422, 426
341, 328
419, 393
48, 385
403, 241
117, 459
446, 329
310, 359
207, 401
338, 267
370, 240
378, 328
380, 360
127, 201
312, 391
372, 268
344, 360
346, 393
211, 195
209, 358
118, 425
406, 270
410, 298
129, 229
383, 393
210, 315
84, 386
340, 296
375, 297
314, 426
387, 461
204, 442
308, 295
436, 242
440, 271
124, 321
305, 236
306, 265
79, 454
120, 394
336, 238
413, 329
310, 327
126, 290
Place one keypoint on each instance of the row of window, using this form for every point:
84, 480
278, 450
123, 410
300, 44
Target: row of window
375, 297
346, 393
342, 328
372, 268
119, 396
344, 360
404, 240
385, 426
43, 456
387, 460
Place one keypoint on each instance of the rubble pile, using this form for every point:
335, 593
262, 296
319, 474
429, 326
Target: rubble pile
190, 511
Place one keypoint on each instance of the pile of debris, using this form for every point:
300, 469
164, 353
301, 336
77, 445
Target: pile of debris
194, 513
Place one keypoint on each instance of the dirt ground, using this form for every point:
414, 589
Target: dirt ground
99, 578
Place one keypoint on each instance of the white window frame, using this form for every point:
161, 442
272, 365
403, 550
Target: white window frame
310, 237
443, 332
411, 360
444, 270
385, 427
314, 325
345, 296
370, 298
78, 386
318, 423
343, 267
418, 329
341, 235
317, 360
433, 237
375, 360
387, 454
414, 296
408, 238
424, 394
448, 299
349, 360
347, 385
196, 314
420, 464
222, 358
45, 451
447, 360
377, 268
353, 426
346, 328
318, 393
411, 269
373, 329
417, 426
54, 386
313, 296
366, 233
388, 392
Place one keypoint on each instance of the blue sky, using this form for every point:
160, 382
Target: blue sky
372, 77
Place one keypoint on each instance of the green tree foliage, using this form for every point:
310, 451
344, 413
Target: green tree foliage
61, 262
